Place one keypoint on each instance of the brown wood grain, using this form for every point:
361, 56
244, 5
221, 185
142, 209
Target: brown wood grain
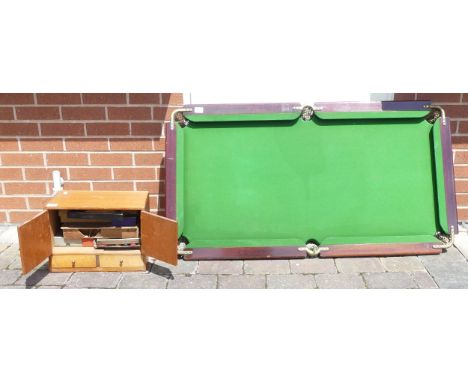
158, 237
99, 200
35, 241
362, 250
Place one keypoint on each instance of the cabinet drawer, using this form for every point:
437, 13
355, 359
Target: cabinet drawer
121, 261
73, 261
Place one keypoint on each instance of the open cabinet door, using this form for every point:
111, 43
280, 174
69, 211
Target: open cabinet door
159, 237
35, 241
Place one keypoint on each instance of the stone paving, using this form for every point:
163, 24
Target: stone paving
448, 270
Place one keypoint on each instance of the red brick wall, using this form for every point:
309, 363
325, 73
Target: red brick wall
456, 107
97, 141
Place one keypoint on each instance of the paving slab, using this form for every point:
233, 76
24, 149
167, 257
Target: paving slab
9, 235
340, 281
233, 267
424, 280
313, 266
192, 282
5, 261
440, 268
390, 280
359, 265
452, 280
9, 277
43, 277
242, 282
461, 243
452, 254
295, 281
402, 264
137, 280
107, 280
182, 268
3, 247
266, 267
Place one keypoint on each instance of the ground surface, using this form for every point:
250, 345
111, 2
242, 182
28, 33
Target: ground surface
448, 270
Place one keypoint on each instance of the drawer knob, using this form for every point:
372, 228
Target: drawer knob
73, 263
121, 262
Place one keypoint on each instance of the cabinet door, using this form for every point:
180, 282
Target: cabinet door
159, 237
35, 241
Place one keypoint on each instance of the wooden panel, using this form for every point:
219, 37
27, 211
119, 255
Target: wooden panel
92, 251
121, 261
73, 261
35, 241
99, 200
159, 237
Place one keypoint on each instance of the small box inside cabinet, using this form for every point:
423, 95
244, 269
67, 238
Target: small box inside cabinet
87, 231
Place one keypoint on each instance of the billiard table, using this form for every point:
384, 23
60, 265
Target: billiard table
256, 181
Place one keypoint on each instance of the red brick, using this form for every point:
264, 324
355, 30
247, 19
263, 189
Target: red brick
104, 98
465, 97
62, 129
111, 159
159, 144
67, 159
462, 213
108, 128
25, 188
145, 98
38, 202
129, 113
45, 144
83, 113
461, 186
438, 97
6, 113
456, 111
113, 186
9, 144
58, 98
8, 203
131, 144
90, 173
462, 199
460, 142
157, 202
16, 99
37, 112
461, 157
10, 173
148, 159
134, 173
22, 159
463, 128
461, 171
162, 113
20, 129
151, 187
172, 99
43, 173
83, 144
160, 173
147, 128
22, 216
405, 96
68, 186
3, 217
453, 126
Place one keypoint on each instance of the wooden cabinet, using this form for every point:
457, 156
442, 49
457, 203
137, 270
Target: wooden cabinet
158, 235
